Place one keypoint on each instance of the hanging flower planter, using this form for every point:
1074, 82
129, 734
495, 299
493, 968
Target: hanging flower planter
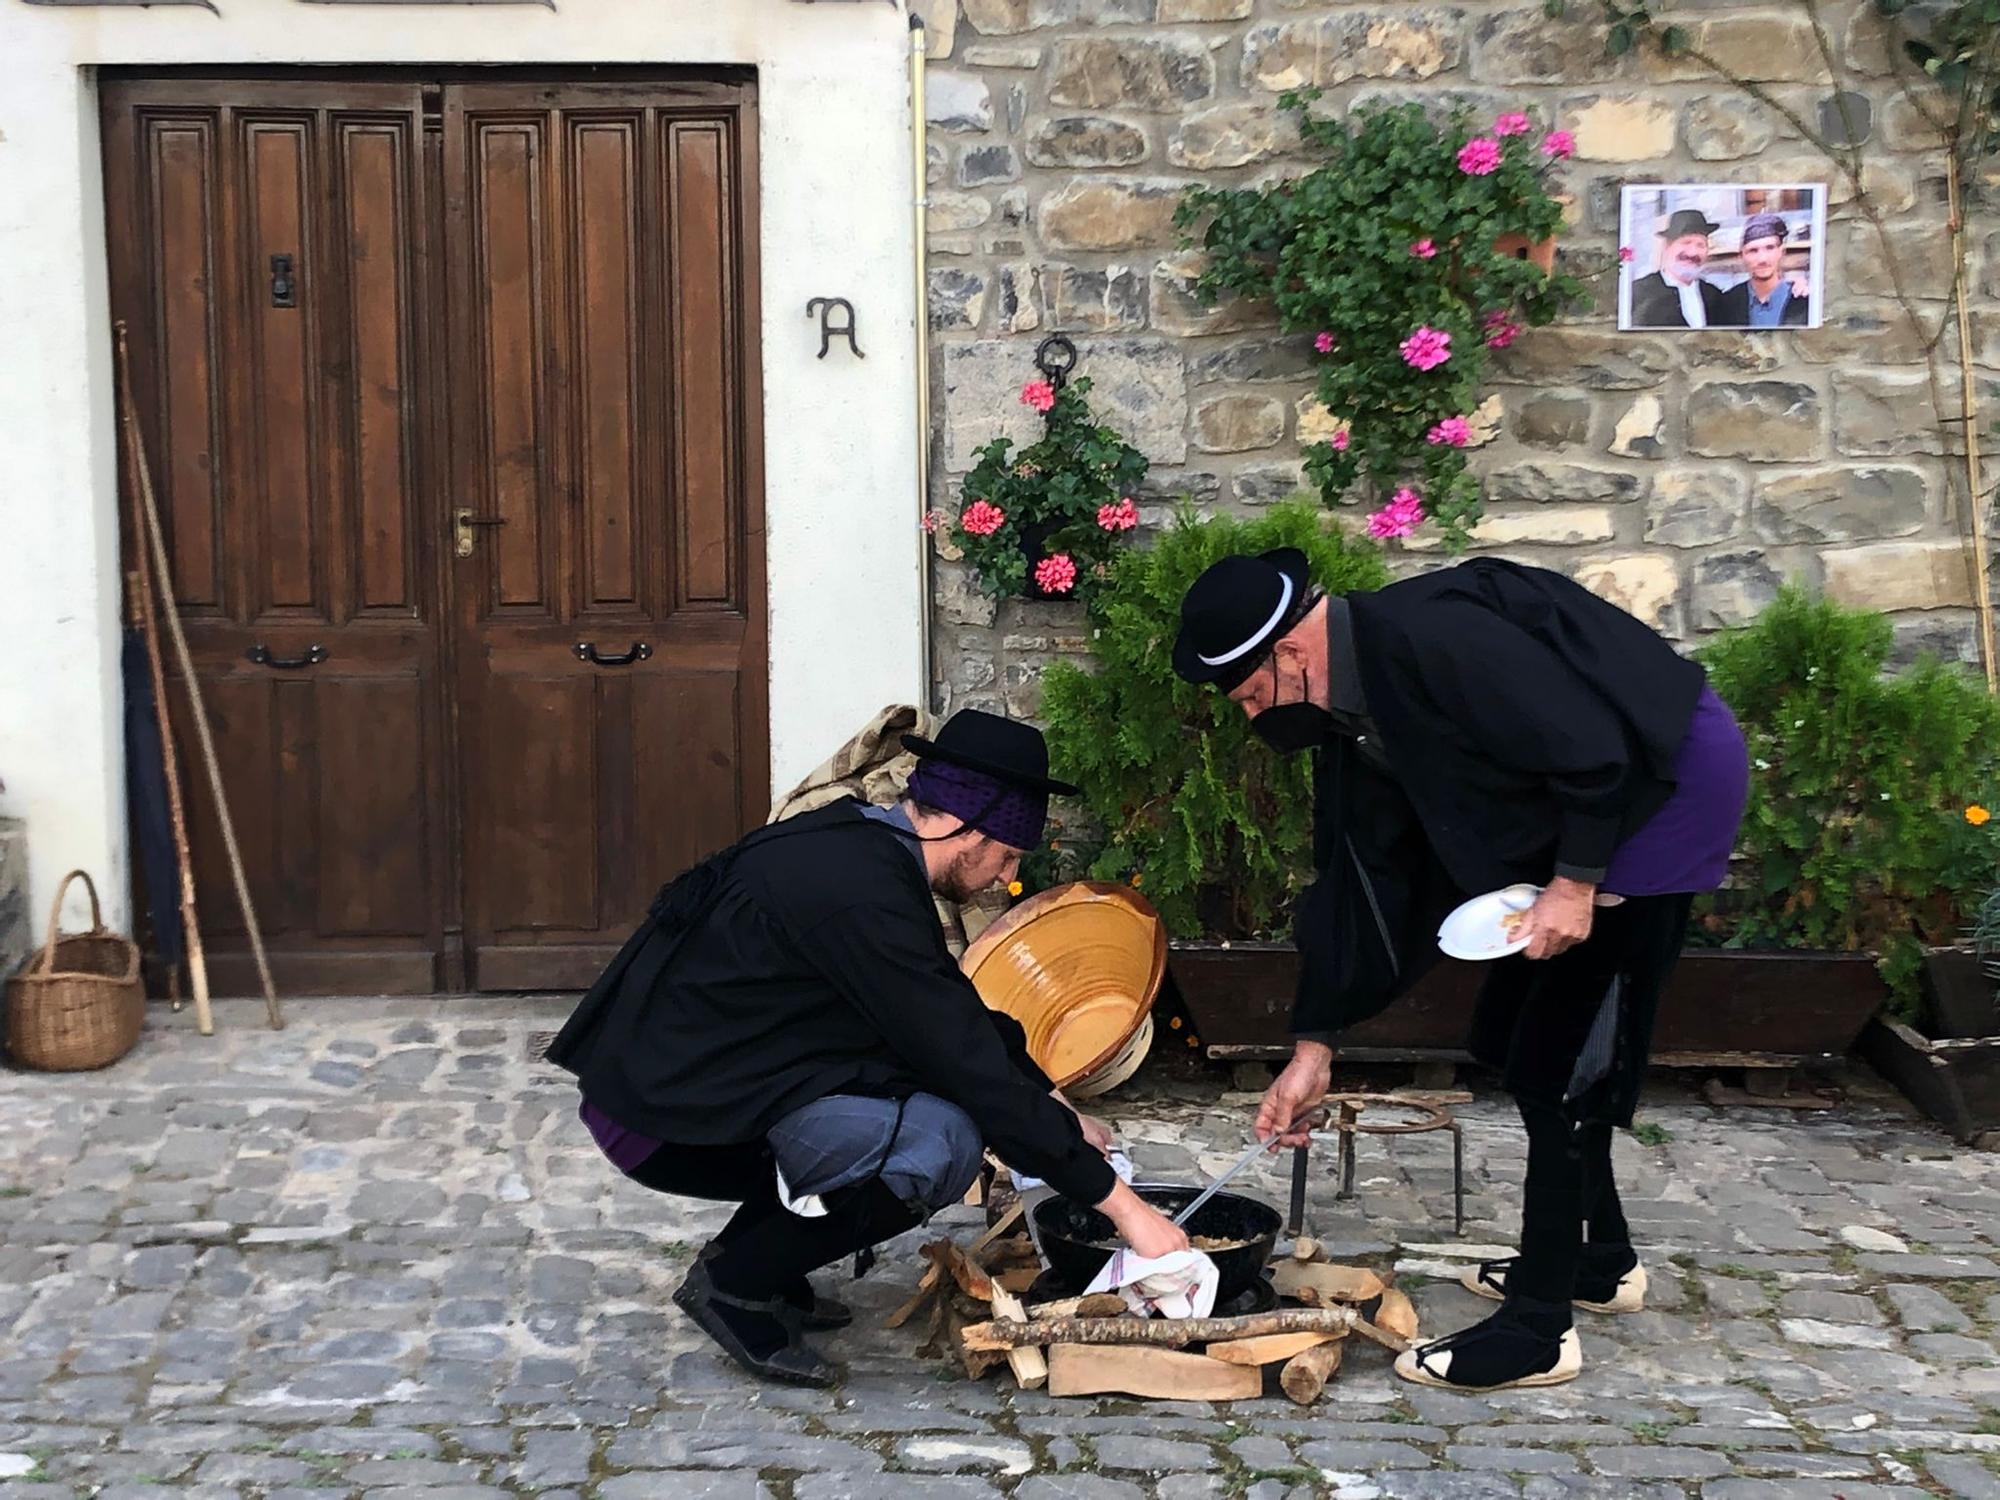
1045, 522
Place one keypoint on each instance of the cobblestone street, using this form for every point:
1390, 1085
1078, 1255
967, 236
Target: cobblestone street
376, 1254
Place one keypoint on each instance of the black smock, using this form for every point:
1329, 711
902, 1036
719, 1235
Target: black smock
1524, 729
810, 962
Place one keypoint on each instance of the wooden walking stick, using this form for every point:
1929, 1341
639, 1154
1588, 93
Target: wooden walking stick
140, 580
142, 472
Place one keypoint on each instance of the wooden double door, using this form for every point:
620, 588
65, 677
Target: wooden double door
450, 390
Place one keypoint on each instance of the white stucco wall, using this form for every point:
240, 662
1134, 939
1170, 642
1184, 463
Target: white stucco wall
840, 441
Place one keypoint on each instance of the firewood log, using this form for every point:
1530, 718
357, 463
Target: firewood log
1161, 1374
1171, 1333
1305, 1375
1270, 1349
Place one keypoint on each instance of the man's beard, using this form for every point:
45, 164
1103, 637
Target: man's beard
955, 883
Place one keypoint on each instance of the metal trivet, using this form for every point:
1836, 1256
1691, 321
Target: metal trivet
1346, 1124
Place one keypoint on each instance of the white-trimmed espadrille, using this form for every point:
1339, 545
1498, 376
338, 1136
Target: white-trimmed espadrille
1489, 1279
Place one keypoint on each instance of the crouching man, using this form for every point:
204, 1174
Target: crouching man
787, 1031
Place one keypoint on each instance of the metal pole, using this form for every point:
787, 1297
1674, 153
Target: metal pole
920, 199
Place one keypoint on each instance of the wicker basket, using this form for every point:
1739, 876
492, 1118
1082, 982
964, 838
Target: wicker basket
80, 1002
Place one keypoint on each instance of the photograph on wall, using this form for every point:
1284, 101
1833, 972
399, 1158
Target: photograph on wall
1721, 255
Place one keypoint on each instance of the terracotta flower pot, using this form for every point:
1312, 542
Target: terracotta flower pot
1520, 247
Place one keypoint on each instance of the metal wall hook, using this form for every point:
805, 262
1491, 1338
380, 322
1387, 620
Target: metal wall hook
1055, 357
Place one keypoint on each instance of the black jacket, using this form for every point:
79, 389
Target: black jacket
807, 960
1530, 727
1732, 309
1657, 304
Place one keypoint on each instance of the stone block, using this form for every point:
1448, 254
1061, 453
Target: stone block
1923, 258
1766, 421
1837, 504
1553, 419
1830, 1307
960, 601
997, 17
1017, 308
1267, 484
1078, 300
1899, 575
957, 102
1640, 431
1204, 10
1091, 12
1527, 45
1883, 412
957, 297
1238, 423
1879, 335
1232, 135
1408, 45
1316, 423
1547, 525
1696, 507
1903, 127
1758, 48
1541, 483
1177, 310
949, 211
1086, 141
1158, 74
1004, 58
980, 166
18, 937
1732, 589
1574, 356
1110, 214
1646, 585
1138, 387
1621, 128
1817, 1334
1272, 358
1726, 127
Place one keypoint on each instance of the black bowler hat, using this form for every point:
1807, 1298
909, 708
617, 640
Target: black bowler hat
1005, 749
1688, 221
1236, 611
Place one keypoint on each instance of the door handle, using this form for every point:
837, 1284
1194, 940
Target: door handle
261, 654
587, 651
464, 526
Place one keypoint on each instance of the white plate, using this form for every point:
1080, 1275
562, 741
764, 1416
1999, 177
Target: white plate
1474, 931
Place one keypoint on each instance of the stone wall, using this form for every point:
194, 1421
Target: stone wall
1683, 476
18, 934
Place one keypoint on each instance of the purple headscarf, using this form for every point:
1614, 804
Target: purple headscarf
998, 809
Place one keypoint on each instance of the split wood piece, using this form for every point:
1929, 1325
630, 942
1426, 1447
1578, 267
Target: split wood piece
1305, 1375
928, 1282
1164, 1374
1174, 1332
1397, 1314
1096, 1305
1306, 1250
1320, 1285
971, 1278
1031, 1369
1017, 1279
1271, 1348
1719, 1094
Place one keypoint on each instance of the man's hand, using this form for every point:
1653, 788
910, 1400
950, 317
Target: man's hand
1560, 917
1095, 1131
1142, 1226
1295, 1091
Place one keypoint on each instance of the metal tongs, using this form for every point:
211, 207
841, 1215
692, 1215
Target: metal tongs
1257, 1149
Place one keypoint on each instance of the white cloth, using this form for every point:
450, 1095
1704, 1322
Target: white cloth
1180, 1285
1033, 1191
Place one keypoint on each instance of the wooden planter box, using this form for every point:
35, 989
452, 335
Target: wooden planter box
1723, 1008
1956, 1082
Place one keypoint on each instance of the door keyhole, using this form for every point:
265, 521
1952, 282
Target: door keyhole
284, 287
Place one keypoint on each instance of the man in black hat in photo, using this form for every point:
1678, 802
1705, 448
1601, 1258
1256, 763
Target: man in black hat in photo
1768, 298
787, 1031
1479, 727
1675, 296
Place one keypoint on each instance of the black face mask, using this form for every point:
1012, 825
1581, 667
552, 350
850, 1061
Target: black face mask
1289, 728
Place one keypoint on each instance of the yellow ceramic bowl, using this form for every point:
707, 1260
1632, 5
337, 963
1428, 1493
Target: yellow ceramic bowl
1078, 966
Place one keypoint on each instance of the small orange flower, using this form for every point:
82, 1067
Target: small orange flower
1175, 1023
1137, 881
1977, 816
1013, 887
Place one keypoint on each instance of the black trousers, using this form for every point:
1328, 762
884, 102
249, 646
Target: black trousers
765, 1250
1571, 1036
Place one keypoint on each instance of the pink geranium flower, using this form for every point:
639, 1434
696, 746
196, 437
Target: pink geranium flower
1453, 432
1426, 349
982, 518
1479, 156
1056, 574
1323, 341
1514, 123
1400, 517
1558, 145
1501, 330
1423, 249
1120, 517
1626, 255
1038, 394
1340, 441
929, 521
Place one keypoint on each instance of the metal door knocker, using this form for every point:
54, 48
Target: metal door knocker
1055, 357
823, 308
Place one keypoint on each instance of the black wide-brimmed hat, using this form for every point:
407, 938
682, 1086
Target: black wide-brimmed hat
1236, 611
1688, 221
1005, 749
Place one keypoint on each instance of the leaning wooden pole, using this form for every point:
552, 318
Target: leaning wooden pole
1975, 481
142, 473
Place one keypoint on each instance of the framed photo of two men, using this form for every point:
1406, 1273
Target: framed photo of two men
1722, 255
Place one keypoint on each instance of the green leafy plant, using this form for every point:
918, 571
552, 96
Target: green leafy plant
1865, 827
1182, 799
1403, 254
1047, 520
